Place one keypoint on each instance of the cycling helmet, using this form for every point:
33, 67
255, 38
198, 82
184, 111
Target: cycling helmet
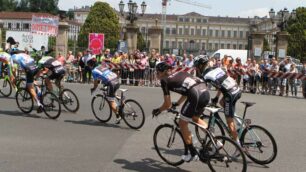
201, 59
162, 66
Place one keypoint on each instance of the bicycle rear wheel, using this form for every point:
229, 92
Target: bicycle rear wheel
101, 108
5, 87
228, 158
169, 144
69, 100
52, 106
259, 144
24, 100
133, 114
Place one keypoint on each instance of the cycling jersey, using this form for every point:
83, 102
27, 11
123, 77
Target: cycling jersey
179, 82
56, 69
25, 61
218, 78
103, 74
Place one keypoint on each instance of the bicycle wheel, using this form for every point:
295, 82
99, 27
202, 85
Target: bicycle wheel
169, 144
21, 83
259, 144
24, 100
69, 100
216, 129
133, 114
101, 108
52, 106
228, 158
5, 87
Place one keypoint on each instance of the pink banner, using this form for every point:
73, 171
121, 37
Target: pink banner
96, 42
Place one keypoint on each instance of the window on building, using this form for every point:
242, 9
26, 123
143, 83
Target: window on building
247, 33
173, 31
167, 44
180, 31
217, 33
181, 19
180, 45
192, 31
223, 33
241, 34
9, 25
173, 44
203, 46
199, 32
204, 21
185, 45
234, 46
210, 46
229, 33
216, 46
228, 46
143, 30
186, 31
187, 19
240, 46
235, 34
167, 31
210, 32
222, 46
199, 20
26, 26
204, 32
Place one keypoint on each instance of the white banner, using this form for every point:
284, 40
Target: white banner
26, 39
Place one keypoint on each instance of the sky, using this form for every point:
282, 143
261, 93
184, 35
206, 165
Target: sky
231, 8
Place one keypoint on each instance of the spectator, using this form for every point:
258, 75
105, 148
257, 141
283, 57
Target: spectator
293, 81
69, 66
124, 69
238, 67
264, 68
189, 62
273, 81
131, 61
86, 71
61, 58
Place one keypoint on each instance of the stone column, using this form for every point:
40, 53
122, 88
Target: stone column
281, 44
62, 39
131, 37
155, 35
257, 44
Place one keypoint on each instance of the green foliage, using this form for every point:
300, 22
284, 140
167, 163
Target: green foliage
297, 39
101, 19
49, 6
141, 44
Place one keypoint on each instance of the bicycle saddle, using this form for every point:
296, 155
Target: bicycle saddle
248, 104
123, 90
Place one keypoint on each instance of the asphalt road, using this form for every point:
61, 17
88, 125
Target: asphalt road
79, 143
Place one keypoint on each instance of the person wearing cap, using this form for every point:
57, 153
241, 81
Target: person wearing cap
87, 70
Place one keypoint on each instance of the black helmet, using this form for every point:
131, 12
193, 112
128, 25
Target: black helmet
162, 66
201, 59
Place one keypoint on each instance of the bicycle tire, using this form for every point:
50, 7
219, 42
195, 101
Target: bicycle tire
101, 106
224, 158
6, 89
177, 152
251, 154
68, 100
51, 104
131, 111
23, 95
217, 128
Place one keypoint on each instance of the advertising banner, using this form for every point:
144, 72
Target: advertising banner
96, 42
45, 25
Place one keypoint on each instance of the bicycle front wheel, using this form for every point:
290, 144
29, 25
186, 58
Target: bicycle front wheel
259, 144
69, 100
24, 100
101, 108
227, 158
5, 87
169, 144
133, 114
51, 104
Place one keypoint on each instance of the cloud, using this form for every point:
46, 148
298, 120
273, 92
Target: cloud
261, 12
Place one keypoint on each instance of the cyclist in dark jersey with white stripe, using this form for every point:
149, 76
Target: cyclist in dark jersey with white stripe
195, 96
225, 85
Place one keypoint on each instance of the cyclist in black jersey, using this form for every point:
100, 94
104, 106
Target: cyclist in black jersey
195, 96
225, 85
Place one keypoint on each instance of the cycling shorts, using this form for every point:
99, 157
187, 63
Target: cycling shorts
230, 100
31, 71
112, 87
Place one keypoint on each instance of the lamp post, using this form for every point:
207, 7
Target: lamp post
132, 10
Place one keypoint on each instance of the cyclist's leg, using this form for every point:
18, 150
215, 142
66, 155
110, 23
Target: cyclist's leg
113, 86
30, 86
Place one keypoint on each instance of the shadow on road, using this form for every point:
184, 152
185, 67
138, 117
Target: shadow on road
147, 165
1, 97
18, 113
97, 123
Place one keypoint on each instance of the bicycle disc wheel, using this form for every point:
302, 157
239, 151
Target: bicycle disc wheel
5, 87
169, 144
133, 114
216, 129
101, 108
227, 158
69, 100
24, 100
259, 144
52, 106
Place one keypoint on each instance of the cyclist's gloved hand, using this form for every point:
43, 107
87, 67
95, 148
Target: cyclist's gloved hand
174, 104
156, 112
214, 100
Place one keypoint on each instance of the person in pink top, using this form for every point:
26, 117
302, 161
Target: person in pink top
61, 58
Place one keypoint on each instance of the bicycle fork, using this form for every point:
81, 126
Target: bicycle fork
172, 137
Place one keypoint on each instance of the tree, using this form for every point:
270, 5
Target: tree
297, 38
101, 19
141, 44
49, 6
8, 5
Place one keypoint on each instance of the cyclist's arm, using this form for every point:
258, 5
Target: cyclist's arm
181, 100
96, 83
167, 103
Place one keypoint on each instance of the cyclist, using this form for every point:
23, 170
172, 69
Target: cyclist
6, 59
53, 69
195, 96
225, 85
109, 79
27, 63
